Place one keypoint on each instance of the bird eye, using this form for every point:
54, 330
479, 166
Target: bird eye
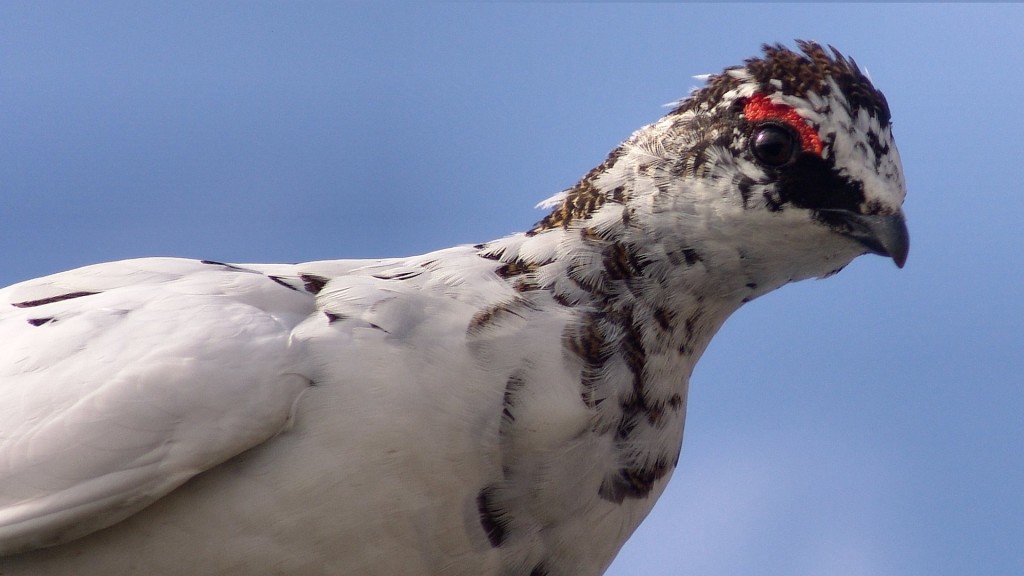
774, 145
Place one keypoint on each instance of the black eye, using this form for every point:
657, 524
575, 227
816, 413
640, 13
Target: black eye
774, 145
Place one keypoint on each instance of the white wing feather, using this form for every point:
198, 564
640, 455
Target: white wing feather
122, 381
103, 409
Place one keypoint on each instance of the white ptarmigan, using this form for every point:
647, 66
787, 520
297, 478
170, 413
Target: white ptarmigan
510, 408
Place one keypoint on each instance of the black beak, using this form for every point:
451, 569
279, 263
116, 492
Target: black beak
883, 235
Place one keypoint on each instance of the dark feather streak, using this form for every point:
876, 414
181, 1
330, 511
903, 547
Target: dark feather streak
491, 516
633, 482
282, 282
313, 283
224, 264
51, 299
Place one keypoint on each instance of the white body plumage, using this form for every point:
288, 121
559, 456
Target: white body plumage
383, 430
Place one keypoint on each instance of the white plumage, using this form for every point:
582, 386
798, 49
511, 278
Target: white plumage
509, 408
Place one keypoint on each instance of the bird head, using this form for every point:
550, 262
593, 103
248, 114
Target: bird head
811, 134
781, 169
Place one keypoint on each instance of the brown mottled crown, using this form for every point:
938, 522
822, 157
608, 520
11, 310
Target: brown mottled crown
799, 74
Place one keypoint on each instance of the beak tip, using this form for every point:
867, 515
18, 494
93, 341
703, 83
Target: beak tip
896, 240
885, 235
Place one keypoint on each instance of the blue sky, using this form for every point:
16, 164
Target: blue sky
872, 423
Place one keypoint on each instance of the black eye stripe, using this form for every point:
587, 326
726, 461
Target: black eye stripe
811, 182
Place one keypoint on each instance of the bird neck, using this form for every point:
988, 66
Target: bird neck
643, 308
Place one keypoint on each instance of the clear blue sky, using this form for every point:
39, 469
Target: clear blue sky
867, 424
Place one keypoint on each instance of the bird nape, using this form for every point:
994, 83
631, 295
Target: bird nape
510, 408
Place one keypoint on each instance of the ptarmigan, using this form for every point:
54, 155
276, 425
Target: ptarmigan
510, 408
